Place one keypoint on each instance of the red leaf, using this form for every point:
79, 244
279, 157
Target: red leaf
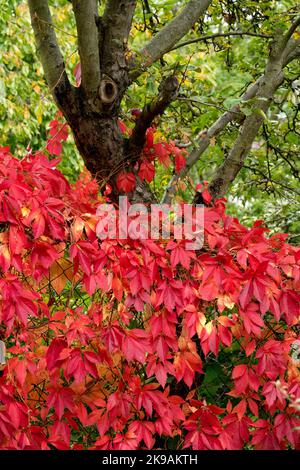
162, 154
180, 162
146, 171
136, 345
77, 73
206, 196
126, 182
53, 352
54, 147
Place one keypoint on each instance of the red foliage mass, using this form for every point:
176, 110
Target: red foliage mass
101, 336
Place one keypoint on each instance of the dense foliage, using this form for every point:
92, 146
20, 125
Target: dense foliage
127, 344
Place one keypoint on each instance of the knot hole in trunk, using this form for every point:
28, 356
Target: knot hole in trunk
108, 91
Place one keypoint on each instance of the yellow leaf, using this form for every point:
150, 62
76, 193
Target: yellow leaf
77, 229
25, 211
26, 113
61, 272
39, 114
200, 76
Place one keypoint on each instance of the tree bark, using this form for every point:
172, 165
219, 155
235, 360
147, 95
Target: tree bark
86, 15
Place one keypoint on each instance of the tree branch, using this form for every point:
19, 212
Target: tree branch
46, 42
167, 92
115, 28
86, 14
272, 79
292, 51
220, 35
281, 55
234, 113
291, 30
168, 36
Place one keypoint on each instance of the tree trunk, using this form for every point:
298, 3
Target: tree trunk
103, 149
